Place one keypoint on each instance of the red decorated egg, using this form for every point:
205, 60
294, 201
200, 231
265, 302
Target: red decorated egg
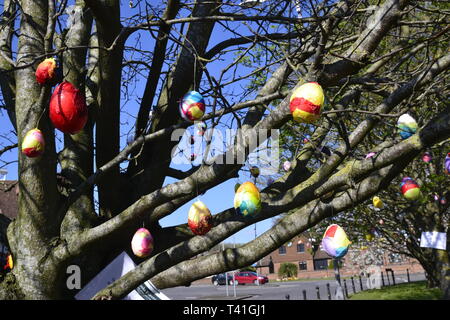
68, 110
142, 243
33, 144
410, 189
306, 102
199, 218
46, 71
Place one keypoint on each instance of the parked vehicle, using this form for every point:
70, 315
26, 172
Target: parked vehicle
250, 277
219, 279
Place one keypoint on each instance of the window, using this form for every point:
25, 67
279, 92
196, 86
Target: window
282, 250
302, 265
300, 247
320, 264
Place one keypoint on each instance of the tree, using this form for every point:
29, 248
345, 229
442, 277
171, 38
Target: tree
374, 61
398, 226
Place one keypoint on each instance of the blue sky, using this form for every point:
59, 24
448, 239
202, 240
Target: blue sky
217, 199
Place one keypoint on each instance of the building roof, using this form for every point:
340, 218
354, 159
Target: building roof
9, 191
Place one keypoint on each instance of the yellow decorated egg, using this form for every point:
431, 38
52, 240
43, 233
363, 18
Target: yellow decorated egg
306, 102
33, 144
247, 200
199, 218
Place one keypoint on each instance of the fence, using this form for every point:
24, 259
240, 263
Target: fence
354, 284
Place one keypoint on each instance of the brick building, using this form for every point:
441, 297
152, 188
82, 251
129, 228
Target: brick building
317, 263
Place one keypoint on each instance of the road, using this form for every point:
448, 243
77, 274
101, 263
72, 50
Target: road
271, 290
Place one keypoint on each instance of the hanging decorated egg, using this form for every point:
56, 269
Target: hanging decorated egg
193, 157
335, 241
305, 140
201, 126
9, 263
381, 221
287, 165
370, 155
33, 144
306, 101
407, 126
377, 203
447, 164
68, 111
247, 200
142, 243
192, 140
426, 157
46, 72
199, 218
254, 171
410, 189
192, 106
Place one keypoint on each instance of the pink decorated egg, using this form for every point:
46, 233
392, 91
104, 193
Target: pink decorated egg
33, 144
142, 243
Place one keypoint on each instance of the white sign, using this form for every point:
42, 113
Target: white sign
116, 269
434, 239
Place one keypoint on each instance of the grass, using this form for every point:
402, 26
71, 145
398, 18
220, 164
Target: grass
405, 291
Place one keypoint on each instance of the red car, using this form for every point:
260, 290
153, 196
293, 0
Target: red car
250, 277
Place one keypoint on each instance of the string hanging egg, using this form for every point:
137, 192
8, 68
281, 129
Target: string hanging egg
247, 200
192, 106
306, 102
33, 144
199, 218
335, 241
68, 110
407, 126
201, 126
142, 243
410, 189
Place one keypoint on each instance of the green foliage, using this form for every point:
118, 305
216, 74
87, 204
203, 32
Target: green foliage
404, 291
288, 270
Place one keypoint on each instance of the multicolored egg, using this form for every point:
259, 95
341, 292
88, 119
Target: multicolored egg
335, 241
68, 110
192, 106
142, 243
306, 102
33, 144
199, 218
426, 157
377, 203
247, 200
46, 72
201, 126
369, 237
447, 164
410, 189
287, 165
407, 126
